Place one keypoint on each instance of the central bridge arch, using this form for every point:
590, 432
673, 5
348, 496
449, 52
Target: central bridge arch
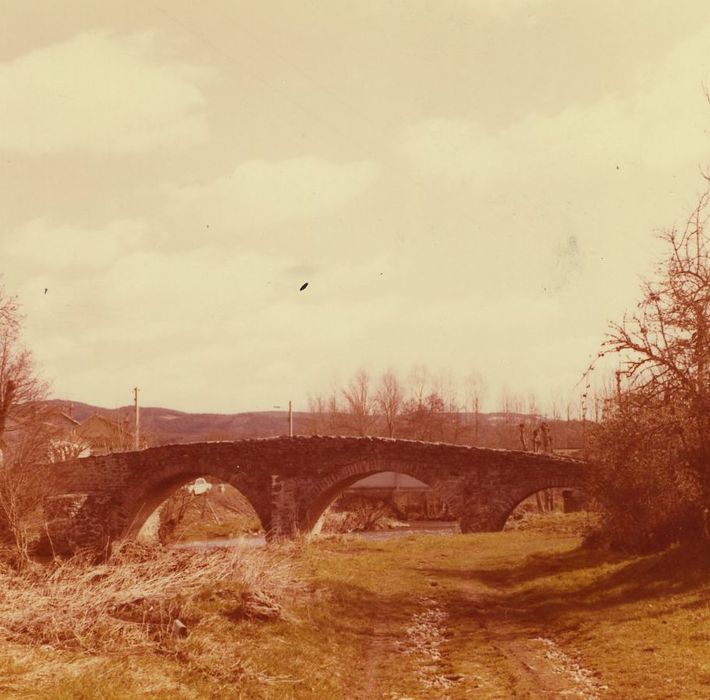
327, 489
290, 481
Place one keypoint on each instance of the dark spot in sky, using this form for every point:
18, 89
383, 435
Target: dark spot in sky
45, 290
303, 286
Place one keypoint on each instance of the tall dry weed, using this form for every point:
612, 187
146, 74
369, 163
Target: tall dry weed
131, 602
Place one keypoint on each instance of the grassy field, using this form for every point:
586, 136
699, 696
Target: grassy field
518, 614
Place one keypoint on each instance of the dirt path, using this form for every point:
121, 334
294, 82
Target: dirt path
541, 669
378, 650
502, 660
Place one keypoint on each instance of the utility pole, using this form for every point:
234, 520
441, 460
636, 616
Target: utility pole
583, 410
475, 422
137, 415
290, 419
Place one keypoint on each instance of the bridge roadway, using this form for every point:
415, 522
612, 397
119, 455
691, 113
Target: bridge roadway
289, 481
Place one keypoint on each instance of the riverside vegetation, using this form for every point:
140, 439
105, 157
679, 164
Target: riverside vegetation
519, 614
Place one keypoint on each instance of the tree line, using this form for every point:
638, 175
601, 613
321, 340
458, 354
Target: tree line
425, 407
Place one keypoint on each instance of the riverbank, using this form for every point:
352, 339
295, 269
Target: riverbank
520, 614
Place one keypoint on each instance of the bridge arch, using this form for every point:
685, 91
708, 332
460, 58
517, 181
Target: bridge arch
327, 489
136, 506
508, 501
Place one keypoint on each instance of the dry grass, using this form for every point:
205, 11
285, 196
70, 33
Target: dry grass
472, 608
555, 522
131, 603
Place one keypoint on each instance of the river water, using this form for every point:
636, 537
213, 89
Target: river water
414, 527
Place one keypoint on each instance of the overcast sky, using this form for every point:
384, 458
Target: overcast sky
473, 185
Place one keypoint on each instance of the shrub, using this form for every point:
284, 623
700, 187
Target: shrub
647, 495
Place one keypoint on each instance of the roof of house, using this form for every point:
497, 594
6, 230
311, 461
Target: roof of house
59, 420
98, 426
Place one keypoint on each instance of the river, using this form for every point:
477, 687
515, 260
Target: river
414, 527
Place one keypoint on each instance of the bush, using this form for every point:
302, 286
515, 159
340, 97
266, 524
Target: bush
647, 494
363, 516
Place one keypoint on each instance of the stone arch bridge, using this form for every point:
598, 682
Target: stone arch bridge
289, 482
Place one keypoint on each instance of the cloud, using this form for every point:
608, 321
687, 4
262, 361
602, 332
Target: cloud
98, 93
496, 244
42, 246
227, 328
660, 125
561, 207
607, 173
455, 149
580, 141
260, 192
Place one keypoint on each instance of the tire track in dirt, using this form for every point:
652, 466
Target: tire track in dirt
415, 646
380, 644
530, 665
540, 668
418, 646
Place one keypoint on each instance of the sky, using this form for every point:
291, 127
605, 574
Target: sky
471, 185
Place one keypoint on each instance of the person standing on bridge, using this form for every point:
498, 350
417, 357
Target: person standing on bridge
523, 439
536, 440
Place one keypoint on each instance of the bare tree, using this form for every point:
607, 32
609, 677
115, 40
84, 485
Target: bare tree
475, 389
389, 399
424, 418
533, 410
24, 431
22, 489
323, 411
452, 422
665, 351
419, 381
21, 390
316, 414
359, 416
511, 406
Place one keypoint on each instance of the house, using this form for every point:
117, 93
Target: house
64, 442
60, 423
103, 435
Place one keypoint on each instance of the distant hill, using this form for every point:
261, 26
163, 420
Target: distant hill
164, 425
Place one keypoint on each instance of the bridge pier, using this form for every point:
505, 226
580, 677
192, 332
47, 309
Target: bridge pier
285, 511
478, 519
471, 502
78, 521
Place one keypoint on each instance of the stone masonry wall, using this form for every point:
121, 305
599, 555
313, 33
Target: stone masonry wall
290, 481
